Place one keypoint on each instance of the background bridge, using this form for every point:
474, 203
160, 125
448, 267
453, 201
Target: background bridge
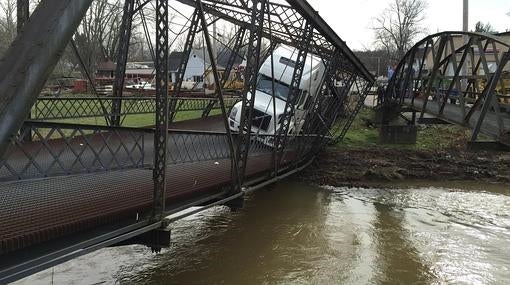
460, 78
81, 172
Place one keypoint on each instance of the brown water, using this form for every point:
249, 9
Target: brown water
296, 234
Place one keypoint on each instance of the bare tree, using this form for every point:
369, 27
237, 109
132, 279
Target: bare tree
397, 27
7, 23
97, 36
481, 27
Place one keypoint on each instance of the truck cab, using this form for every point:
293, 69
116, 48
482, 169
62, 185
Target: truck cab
284, 62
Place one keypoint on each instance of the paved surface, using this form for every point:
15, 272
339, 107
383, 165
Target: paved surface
453, 114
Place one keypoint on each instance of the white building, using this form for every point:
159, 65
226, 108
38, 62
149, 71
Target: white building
198, 65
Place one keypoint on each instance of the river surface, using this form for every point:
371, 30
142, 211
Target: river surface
296, 234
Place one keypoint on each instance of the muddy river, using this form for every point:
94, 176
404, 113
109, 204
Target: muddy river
295, 234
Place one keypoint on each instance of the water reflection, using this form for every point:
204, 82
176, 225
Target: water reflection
291, 233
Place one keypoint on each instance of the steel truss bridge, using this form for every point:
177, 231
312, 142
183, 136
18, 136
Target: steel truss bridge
460, 78
68, 187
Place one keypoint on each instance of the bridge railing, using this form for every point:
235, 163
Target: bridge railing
64, 149
74, 107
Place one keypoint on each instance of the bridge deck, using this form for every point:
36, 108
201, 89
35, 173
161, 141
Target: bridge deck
36, 210
453, 114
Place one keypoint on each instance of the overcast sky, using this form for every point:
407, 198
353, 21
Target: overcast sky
351, 19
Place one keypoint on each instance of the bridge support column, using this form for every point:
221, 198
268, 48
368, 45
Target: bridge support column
161, 128
122, 56
398, 134
487, 146
236, 204
155, 239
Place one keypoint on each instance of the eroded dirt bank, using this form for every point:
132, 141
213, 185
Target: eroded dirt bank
339, 166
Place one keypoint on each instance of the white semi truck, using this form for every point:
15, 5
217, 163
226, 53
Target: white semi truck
263, 123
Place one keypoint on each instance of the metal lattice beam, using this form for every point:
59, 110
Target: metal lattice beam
294, 92
250, 77
25, 67
161, 128
122, 56
234, 54
188, 46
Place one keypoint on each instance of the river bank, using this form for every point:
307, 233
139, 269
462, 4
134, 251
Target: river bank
440, 154
340, 166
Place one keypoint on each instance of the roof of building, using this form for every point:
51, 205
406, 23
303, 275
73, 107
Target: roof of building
174, 59
144, 71
106, 66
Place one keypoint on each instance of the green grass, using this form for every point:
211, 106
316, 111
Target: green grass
429, 137
139, 120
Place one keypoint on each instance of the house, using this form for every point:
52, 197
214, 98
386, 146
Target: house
140, 71
106, 69
199, 64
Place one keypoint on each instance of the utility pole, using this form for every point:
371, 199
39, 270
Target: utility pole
215, 42
465, 28
465, 14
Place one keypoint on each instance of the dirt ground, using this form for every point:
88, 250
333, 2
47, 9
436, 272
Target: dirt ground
338, 166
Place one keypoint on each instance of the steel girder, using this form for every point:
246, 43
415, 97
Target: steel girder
460, 77
22, 13
230, 66
286, 22
236, 178
294, 92
250, 82
122, 57
188, 46
25, 66
162, 116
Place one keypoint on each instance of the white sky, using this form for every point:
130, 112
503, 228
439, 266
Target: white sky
351, 19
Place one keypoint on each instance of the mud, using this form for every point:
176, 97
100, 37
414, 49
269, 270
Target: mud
357, 166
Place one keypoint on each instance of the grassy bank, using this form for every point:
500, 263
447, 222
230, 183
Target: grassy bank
362, 135
439, 154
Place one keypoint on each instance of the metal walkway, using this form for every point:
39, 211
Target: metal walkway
78, 173
461, 78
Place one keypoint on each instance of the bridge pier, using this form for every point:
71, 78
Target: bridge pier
398, 134
236, 204
155, 239
487, 146
394, 127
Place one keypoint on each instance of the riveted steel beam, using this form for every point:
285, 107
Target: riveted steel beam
122, 56
161, 128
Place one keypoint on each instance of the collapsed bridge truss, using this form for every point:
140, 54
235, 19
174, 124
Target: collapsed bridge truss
77, 175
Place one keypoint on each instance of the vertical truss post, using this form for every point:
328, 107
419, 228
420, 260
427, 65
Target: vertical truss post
228, 69
419, 80
437, 58
340, 103
294, 91
23, 13
408, 77
250, 85
219, 90
122, 56
181, 71
458, 68
490, 96
361, 101
161, 129
315, 121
